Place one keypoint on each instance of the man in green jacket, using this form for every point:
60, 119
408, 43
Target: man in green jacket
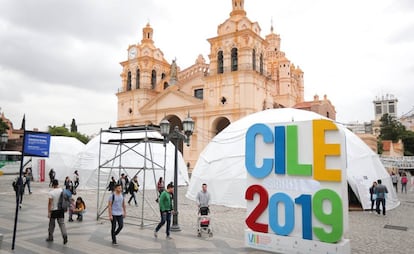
165, 208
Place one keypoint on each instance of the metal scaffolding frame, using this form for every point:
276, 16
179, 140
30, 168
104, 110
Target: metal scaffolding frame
123, 145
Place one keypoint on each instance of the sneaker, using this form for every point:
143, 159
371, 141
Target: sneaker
65, 240
114, 243
70, 220
49, 239
20, 206
155, 234
168, 237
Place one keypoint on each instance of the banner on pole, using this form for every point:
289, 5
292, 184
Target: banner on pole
36, 144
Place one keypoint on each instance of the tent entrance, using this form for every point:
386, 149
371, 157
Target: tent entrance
122, 143
353, 202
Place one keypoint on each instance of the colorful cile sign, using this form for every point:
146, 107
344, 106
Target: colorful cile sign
297, 191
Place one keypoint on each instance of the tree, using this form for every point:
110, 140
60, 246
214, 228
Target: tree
73, 126
391, 129
408, 140
63, 131
3, 126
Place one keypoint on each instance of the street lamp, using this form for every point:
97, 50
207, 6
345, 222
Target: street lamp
176, 135
4, 138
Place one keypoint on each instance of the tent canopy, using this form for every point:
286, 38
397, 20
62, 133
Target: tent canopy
63, 154
221, 164
129, 154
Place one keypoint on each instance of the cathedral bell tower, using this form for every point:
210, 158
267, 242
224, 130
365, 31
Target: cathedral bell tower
238, 8
144, 76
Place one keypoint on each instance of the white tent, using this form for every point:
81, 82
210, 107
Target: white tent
62, 157
88, 161
221, 164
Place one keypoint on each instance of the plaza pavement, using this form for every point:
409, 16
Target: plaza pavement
367, 232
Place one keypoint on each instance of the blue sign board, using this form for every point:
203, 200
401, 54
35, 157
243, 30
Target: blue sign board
36, 144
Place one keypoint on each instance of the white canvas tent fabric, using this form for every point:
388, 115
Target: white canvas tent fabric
63, 154
221, 164
88, 161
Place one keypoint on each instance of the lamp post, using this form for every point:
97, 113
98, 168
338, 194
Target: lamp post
4, 138
176, 135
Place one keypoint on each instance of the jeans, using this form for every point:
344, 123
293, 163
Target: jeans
115, 231
165, 217
28, 185
395, 186
380, 200
57, 215
372, 204
133, 196
404, 187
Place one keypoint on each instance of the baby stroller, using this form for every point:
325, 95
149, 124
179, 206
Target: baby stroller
204, 222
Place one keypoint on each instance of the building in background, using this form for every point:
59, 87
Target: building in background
245, 73
323, 107
14, 136
385, 105
407, 120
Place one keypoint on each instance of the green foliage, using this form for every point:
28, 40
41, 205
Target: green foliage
408, 140
391, 129
3, 126
63, 131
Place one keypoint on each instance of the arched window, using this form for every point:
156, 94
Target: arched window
153, 79
234, 59
129, 81
163, 75
165, 85
254, 59
261, 63
220, 65
137, 80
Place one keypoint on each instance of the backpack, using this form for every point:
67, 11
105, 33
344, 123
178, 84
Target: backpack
404, 179
64, 202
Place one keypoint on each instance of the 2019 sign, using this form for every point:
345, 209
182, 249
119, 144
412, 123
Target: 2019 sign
296, 173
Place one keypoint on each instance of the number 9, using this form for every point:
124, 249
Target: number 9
334, 218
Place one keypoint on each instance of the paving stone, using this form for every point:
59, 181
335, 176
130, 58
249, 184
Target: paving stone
366, 230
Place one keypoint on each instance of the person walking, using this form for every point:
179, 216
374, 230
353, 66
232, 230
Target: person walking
394, 179
203, 197
52, 176
404, 181
380, 192
75, 181
69, 184
116, 211
18, 186
133, 189
123, 181
160, 188
28, 176
111, 185
54, 213
372, 195
166, 206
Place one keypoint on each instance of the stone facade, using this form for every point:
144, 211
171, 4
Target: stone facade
246, 73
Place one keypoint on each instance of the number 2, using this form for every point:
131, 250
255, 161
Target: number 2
251, 220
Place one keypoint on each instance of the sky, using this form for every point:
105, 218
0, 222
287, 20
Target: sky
60, 59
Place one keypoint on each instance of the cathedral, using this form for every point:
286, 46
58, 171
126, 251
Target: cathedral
245, 73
